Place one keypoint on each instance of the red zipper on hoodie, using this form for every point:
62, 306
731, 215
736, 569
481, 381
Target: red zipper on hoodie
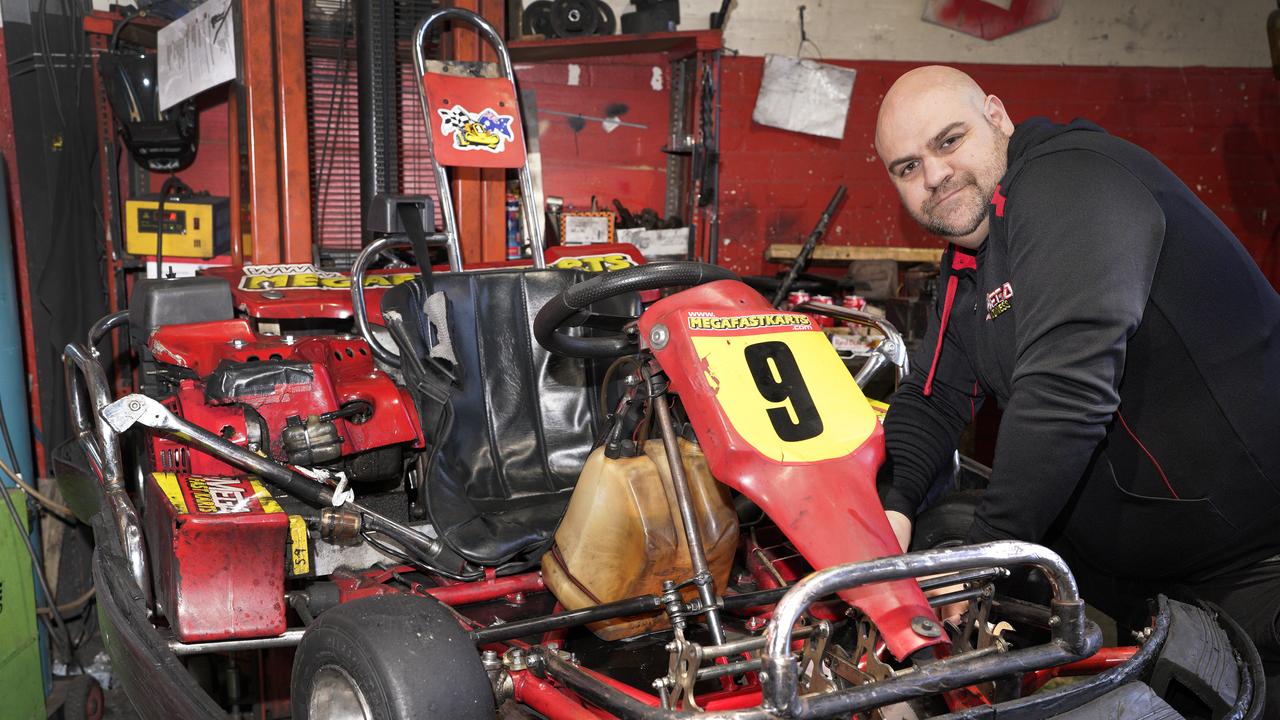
960, 260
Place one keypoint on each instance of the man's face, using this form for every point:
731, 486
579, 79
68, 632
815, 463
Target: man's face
945, 159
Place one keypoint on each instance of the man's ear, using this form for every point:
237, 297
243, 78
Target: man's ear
993, 110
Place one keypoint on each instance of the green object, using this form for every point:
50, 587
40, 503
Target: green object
21, 682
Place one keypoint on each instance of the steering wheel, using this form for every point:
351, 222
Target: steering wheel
569, 308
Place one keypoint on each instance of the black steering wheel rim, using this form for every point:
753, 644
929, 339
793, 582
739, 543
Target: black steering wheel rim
555, 315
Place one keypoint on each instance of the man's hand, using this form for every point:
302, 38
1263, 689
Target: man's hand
901, 525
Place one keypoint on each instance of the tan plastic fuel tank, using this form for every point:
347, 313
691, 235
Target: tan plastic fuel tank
622, 534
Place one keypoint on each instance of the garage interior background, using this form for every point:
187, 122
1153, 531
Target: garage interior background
1188, 79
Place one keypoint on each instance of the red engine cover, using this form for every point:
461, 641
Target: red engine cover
781, 420
342, 367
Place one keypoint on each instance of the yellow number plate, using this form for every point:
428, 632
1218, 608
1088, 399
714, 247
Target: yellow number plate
787, 394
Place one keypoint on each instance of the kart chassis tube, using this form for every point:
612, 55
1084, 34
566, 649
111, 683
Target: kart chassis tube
1073, 637
358, 306
101, 445
653, 603
104, 325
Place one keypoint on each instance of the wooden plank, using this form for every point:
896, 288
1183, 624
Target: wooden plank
786, 252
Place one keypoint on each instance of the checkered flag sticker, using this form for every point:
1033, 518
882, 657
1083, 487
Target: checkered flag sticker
452, 121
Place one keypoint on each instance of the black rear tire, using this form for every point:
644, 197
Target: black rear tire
390, 657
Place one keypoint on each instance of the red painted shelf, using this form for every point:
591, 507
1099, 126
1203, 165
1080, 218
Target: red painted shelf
685, 42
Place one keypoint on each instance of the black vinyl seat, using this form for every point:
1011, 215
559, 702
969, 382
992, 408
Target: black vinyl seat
508, 437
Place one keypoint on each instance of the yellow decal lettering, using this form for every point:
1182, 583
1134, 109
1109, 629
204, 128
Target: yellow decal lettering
264, 282
617, 262
299, 555
750, 322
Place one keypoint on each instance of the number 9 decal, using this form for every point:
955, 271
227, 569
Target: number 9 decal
773, 367
787, 394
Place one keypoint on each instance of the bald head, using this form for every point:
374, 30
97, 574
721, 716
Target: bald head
930, 89
944, 142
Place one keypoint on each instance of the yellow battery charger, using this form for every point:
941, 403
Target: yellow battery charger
194, 226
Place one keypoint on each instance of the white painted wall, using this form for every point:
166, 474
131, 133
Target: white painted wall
1223, 33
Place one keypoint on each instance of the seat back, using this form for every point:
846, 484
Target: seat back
510, 434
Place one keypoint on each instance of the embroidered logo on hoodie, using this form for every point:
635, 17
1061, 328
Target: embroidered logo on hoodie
999, 300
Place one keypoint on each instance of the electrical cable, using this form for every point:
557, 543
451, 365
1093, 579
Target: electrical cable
608, 378
58, 620
36, 565
67, 608
43, 12
62, 511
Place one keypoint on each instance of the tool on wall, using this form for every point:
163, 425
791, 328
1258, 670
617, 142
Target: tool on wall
809, 244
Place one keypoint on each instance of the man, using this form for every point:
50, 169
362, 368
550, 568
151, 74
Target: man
1132, 343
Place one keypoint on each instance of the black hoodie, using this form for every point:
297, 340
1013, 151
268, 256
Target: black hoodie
1135, 349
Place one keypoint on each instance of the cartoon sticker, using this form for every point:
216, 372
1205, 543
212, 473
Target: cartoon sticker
486, 130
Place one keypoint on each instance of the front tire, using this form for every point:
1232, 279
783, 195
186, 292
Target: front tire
390, 657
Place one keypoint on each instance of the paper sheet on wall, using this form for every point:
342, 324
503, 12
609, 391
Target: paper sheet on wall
804, 96
196, 52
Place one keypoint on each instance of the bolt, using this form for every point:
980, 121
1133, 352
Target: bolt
1054, 621
659, 336
135, 405
925, 627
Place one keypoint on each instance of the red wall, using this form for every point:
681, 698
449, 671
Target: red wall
1217, 128
626, 163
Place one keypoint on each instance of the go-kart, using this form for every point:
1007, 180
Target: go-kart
539, 492
469, 531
